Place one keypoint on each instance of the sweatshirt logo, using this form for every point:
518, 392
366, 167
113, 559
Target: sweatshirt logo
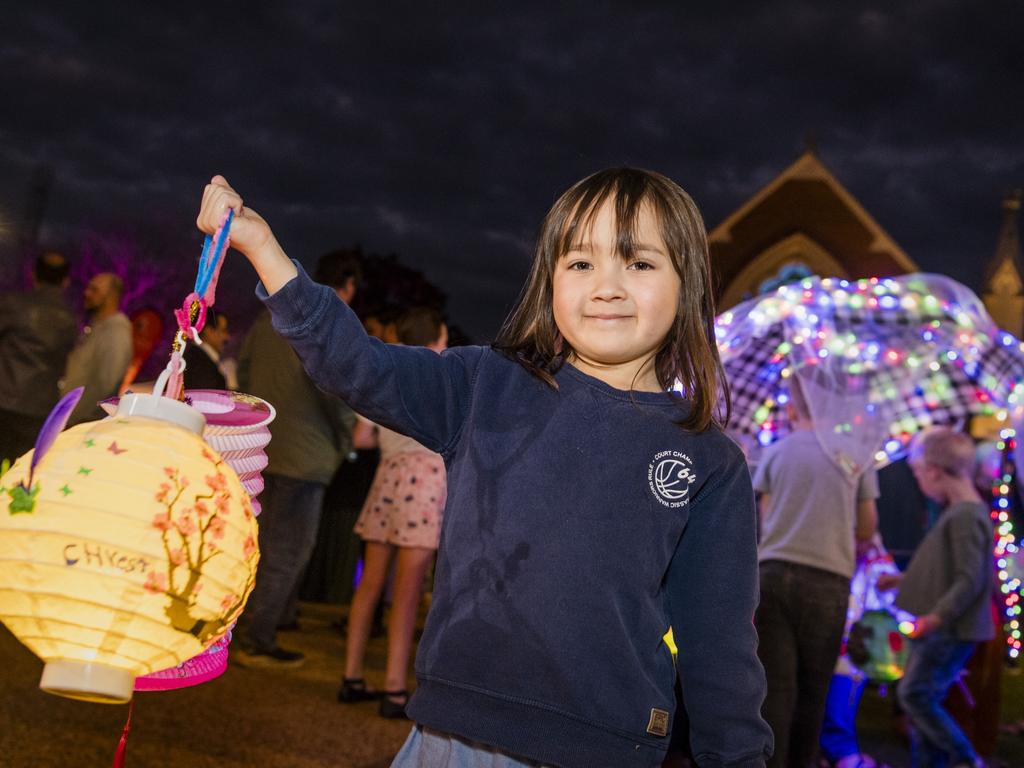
670, 476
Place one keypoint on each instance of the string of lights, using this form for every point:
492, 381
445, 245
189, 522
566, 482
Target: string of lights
1007, 550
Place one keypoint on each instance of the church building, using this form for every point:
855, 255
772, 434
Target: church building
804, 216
1003, 289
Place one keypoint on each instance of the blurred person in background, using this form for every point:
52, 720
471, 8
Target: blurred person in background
203, 361
147, 329
100, 358
37, 331
948, 586
311, 435
813, 513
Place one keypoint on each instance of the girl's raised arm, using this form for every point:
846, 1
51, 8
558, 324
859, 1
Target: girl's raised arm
411, 390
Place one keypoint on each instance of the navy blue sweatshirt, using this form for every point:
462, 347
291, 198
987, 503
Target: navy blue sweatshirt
581, 524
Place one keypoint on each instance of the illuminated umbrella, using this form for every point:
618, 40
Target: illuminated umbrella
878, 360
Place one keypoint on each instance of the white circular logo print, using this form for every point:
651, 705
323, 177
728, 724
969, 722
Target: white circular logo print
670, 476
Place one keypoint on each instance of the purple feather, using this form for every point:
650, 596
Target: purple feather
52, 427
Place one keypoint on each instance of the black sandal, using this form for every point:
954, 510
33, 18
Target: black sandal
353, 691
393, 710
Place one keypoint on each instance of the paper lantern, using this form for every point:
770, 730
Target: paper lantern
237, 428
133, 550
885, 646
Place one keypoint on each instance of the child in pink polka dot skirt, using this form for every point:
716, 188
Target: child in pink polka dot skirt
401, 518
404, 505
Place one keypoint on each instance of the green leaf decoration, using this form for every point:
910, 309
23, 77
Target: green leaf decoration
23, 501
4, 466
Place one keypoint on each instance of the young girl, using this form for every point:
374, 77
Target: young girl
595, 521
402, 514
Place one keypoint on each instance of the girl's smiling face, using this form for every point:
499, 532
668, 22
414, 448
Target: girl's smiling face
615, 313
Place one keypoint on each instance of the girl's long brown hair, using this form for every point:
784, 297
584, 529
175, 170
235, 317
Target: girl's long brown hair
689, 354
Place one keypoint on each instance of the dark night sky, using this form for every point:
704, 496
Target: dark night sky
443, 132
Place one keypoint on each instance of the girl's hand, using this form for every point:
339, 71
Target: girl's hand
250, 233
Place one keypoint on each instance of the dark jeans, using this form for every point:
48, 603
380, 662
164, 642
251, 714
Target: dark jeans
934, 665
800, 630
288, 528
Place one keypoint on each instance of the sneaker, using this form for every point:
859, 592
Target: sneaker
278, 657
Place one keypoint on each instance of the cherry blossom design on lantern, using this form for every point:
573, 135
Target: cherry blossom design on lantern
156, 582
191, 533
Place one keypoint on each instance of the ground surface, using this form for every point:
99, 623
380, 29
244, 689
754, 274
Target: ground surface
283, 719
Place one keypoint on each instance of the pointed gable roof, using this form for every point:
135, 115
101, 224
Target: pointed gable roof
1005, 270
808, 201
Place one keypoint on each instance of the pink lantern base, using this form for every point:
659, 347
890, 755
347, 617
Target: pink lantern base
208, 665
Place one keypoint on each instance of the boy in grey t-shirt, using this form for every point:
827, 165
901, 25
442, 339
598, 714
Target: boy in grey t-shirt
948, 586
811, 513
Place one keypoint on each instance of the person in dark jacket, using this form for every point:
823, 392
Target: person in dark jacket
202, 361
312, 434
37, 331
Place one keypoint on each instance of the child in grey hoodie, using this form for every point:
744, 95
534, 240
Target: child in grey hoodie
948, 586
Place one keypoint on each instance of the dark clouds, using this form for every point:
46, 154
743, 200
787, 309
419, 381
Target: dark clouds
445, 132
